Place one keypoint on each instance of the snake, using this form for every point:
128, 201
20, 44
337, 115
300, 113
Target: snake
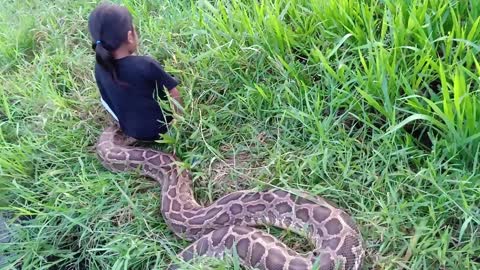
233, 223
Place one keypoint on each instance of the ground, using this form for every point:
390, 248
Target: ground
373, 104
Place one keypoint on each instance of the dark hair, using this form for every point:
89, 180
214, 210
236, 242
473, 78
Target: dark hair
109, 25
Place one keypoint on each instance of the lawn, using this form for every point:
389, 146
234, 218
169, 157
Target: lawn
372, 104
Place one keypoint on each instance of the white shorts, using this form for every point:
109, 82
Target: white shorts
108, 109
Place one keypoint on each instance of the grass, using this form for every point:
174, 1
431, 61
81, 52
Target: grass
373, 104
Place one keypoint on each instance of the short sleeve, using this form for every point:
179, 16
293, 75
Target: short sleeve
158, 74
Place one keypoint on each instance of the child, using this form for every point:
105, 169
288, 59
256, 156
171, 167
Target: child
128, 84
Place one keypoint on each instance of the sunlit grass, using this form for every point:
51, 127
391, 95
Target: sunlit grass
372, 104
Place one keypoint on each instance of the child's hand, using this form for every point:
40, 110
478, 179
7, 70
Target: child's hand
176, 96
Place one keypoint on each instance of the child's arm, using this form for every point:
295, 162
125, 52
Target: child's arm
175, 94
156, 73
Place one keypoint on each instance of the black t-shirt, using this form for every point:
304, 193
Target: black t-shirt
134, 98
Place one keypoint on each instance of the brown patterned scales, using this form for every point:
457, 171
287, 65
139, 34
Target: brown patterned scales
231, 221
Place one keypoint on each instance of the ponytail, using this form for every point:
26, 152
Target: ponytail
105, 58
109, 25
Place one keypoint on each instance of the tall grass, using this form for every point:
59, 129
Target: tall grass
372, 104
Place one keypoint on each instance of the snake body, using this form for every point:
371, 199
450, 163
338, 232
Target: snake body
233, 220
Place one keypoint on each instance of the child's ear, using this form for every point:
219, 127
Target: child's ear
131, 37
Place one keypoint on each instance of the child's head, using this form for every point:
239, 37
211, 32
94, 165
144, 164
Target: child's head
112, 32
